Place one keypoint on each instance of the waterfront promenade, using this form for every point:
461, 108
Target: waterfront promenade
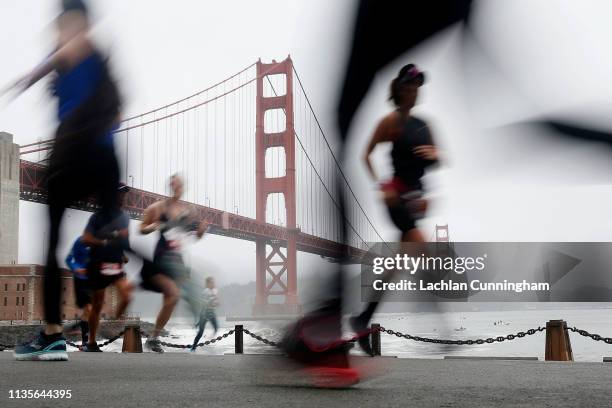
188, 380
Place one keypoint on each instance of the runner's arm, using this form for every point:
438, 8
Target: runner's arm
70, 261
89, 239
149, 222
202, 228
72, 51
381, 134
32, 77
429, 152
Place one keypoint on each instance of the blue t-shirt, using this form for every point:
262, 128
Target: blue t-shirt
78, 257
77, 85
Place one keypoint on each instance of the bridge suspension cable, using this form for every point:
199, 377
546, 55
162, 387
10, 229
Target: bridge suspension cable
339, 167
316, 171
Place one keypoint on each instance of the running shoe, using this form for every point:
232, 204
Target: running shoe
327, 367
333, 377
154, 345
43, 348
92, 348
72, 328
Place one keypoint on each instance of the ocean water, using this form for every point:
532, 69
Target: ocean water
435, 325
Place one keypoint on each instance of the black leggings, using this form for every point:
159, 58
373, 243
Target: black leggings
402, 217
76, 172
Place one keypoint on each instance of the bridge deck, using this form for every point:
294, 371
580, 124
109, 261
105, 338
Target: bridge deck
186, 380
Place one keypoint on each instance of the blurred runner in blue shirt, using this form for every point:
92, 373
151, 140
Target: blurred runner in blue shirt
77, 260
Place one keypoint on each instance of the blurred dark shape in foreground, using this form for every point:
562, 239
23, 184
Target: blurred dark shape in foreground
383, 31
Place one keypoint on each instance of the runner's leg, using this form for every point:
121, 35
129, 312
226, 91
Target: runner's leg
213, 320
198, 336
94, 316
171, 297
124, 287
52, 280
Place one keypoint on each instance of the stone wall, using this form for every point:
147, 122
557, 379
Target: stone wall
9, 199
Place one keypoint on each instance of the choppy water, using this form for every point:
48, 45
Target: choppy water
437, 325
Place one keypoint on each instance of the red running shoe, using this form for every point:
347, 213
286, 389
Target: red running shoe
333, 377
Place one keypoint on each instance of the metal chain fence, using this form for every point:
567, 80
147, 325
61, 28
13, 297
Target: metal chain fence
184, 346
596, 337
262, 339
106, 343
469, 342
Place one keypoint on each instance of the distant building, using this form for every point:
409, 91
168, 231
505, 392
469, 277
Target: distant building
21, 294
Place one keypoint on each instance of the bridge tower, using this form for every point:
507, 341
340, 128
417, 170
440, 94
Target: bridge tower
442, 233
276, 263
9, 199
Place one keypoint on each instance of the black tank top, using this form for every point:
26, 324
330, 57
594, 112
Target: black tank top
163, 245
407, 166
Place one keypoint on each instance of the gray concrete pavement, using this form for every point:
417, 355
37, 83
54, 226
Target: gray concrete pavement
187, 380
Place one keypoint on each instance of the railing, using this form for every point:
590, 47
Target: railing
557, 344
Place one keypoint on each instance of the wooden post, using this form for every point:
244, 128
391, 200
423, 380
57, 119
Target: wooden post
558, 346
238, 344
375, 338
132, 342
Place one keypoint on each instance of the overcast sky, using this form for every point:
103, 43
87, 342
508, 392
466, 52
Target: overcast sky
504, 184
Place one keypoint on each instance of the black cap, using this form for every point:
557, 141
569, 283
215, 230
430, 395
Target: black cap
410, 73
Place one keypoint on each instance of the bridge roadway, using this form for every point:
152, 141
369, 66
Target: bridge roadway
186, 380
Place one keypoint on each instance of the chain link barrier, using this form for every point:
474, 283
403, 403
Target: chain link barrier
468, 342
596, 337
184, 346
262, 339
106, 343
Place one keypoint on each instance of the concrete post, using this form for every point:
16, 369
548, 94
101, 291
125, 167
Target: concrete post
9, 199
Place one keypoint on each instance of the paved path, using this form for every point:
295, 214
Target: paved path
186, 380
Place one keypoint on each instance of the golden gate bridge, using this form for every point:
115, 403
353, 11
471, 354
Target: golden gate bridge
258, 166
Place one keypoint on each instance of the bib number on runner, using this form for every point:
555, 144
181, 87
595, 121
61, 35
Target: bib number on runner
110, 269
174, 238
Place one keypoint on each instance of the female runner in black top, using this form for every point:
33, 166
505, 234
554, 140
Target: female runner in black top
413, 151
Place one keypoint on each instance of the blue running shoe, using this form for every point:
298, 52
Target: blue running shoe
43, 348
